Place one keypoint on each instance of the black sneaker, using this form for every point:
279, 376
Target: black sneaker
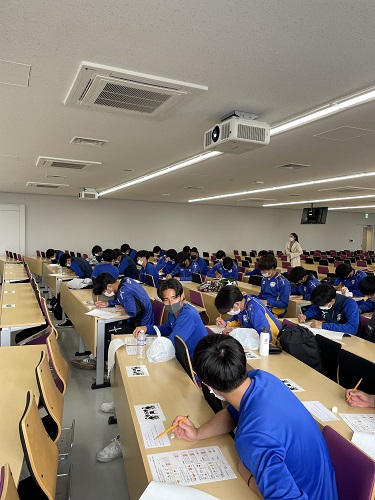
65, 324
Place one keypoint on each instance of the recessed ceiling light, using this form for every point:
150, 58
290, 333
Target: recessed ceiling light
319, 201
165, 194
293, 166
128, 170
257, 182
348, 208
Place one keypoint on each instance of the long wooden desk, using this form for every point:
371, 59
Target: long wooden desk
5, 262
35, 264
170, 386
54, 282
26, 312
17, 375
14, 272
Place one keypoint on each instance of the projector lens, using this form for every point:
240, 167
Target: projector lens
215, 133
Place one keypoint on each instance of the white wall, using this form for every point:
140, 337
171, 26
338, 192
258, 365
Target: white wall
69, 223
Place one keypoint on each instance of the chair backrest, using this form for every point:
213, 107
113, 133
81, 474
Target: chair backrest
235, 252
245, 263
337, 262
44, 308
196, 278
309, 260
85, 256
285, 265
330, 352
8, 490
158, 308
323, 269
38, 253
52, 399
361, 263
58, 363
196, 298
237, 257
183, 357
149, 280
284, 258
240, 276
40, 452
323, 262
72, 254
206, 254
215, 404
364, 322
352, 368
355, 471
79, 254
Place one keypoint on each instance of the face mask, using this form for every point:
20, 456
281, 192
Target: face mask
194, 257
109, 294
139, 262
266, 275
174, 308
68, 266
216, 395
233, 312
325, 308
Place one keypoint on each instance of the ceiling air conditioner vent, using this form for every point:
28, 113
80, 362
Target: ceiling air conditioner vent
122, 91
45, 185
87, 141
293, 166
46, 161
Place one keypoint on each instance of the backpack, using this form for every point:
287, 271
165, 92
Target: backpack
301, 343
369, 332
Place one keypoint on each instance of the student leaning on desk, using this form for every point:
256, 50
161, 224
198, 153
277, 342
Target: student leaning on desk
281, 449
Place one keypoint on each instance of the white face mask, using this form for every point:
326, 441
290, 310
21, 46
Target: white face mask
216, 395
233, 312
139, 262
266, 275
109, 294
325, 308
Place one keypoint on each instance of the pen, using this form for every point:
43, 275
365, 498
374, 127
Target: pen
171, 427
355, 388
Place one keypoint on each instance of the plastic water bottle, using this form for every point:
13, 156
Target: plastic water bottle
59, 269
141, 345
264, 342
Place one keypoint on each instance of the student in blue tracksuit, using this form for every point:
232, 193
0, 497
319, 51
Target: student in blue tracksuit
146, 267
183, 319
256, 271
106, 265
76, 265
275, 288
53, 256
130, 252
225, 269
96, 255
127, 267
282, 451
167, 262
304, 283
367, 288
247, 312
185, 267
349, 279
194, 257
158, 251
332, 311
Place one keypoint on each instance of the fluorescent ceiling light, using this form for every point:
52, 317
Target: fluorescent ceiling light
286, 186
163, 171
319, 201
348, 208
329, 109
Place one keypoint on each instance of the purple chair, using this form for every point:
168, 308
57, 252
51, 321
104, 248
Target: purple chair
2, 476
286, 322
158, 308
355, 471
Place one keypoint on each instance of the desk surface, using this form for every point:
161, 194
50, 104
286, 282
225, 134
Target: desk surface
17, 375
35, 264
26, 311
170, 386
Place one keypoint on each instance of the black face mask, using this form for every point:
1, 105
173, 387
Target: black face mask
194, 257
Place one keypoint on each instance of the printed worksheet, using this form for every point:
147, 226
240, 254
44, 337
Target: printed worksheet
102, 313
318, 410
366, 442
291, 385
151, 429
251, 355
149, 412
360, 422
137, 371
189, 467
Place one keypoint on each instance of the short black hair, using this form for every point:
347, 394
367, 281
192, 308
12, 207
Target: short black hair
186, 249
343, 270
267, 262
194, 249
50, 253
156, 249
220, 362
182, 256
323, 294
125, 247
109, 255
226, 298
171, 253
367, 285
227, 263
171, 284
96, 249
143, 253
117, 251
64, 258
101, 282
296, 274
262, 253
220, 254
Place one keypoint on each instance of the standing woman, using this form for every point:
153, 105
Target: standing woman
293, 250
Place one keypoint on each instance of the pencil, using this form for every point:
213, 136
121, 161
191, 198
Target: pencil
355, 388
171, 427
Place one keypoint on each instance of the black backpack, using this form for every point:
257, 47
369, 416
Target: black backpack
301, 343
369, 332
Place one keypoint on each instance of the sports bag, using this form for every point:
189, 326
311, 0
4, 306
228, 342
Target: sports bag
301, 343
369, 332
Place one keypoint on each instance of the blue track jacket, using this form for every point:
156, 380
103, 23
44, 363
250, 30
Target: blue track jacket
342, 317
81, 267
306, 288
128, 268
149, 269
105, 268
232, 273
276, 291
165, 267
352, 284
185, 272
128, 293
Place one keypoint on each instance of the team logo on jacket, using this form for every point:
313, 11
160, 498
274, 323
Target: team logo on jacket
339, 317
272, 284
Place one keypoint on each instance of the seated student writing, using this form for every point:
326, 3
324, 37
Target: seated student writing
332, 311
106, 265
282, 452
257, 271
359, 398
130, 252
157, 251
348, 279
194, 256
185, 268
127, 267
146, 267
220, 254
76, 265
247, 312
96, 255
367, 288
167, 262
274, 288
126, 294
304, 282
225, 269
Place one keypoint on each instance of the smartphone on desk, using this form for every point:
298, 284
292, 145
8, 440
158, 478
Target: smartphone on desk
274, 349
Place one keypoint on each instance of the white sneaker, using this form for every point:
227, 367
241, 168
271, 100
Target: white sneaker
111, 452
108, 407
